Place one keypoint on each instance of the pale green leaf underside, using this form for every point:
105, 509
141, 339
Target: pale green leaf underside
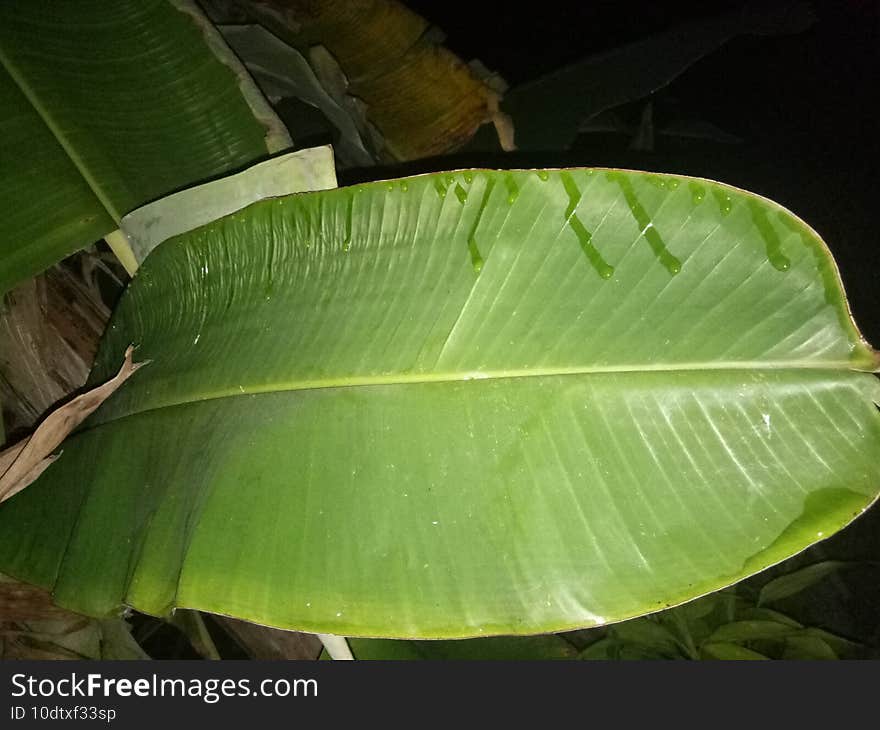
296, 172
104, 107
463, 404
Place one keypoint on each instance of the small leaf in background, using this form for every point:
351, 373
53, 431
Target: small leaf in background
805, 646
606, 648
729, 604
765, 614
841, 646
724, 650
741, 631
649, 635
701, 607
792, 583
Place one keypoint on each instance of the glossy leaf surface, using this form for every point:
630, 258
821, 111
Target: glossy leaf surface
463, 404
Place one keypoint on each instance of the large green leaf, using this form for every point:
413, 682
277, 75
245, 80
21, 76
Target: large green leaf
104, 107
463, 404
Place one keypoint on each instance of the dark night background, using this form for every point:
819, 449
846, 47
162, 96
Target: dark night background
803, 108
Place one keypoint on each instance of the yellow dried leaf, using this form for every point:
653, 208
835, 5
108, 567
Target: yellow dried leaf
422, 98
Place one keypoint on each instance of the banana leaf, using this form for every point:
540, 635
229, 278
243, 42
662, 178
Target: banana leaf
106, 106
463, 404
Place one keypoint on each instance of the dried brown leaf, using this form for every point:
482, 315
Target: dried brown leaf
423, 99
22, 463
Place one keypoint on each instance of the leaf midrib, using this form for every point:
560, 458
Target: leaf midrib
426, 378
62, 140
